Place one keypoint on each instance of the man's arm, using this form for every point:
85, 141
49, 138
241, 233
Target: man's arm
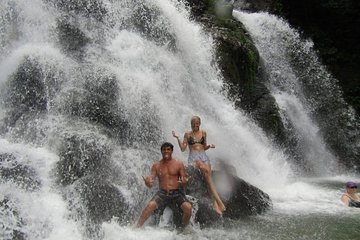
149, 180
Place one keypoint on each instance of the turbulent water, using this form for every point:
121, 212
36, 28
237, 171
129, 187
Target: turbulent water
278, 45
90, 89
309, 98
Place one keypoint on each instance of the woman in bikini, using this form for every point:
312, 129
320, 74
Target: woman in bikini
196, 140
350, 198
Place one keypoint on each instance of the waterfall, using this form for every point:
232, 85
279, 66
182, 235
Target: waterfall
308, 97
89, 91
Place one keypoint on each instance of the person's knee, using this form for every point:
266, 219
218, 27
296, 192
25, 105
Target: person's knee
206, 170
186, 207
151, 206
198, 164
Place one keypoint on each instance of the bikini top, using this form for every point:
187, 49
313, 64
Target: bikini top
192, 140
352, 202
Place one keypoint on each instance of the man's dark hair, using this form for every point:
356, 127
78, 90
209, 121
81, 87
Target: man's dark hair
167, 144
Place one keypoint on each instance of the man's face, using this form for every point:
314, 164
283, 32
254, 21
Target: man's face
166, 152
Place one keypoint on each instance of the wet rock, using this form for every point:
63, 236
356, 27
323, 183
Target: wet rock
97, 102
93, 199
102, 200
151, 24
71, 38
11, 221
81, 155
240, 198
245, 200
25, 90
22, 175
30, 90
87, 8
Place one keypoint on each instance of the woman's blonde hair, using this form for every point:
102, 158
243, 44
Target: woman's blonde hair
195, 118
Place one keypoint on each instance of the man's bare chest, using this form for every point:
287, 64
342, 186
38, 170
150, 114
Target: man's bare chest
167, 170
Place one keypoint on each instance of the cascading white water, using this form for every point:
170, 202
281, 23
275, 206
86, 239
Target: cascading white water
44, 211
164, 83
279, 45
189, 85
283, 52
161, 82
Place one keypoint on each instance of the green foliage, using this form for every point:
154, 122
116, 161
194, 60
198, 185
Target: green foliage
251, 70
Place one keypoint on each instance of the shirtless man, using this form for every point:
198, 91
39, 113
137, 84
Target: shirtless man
171, 175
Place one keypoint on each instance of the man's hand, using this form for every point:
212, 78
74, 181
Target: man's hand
149, 181
184, 180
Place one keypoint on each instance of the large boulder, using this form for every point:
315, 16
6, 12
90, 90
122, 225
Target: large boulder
94, 199
21, 175
96, 100
27, 95
148, 21
101, 199
72, 40
241, 199
25, 91
74, 164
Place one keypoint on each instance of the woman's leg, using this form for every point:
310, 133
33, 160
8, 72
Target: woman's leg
206, 169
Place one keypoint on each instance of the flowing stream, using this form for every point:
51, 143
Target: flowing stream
149, 69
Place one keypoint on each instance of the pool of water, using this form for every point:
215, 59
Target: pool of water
308, 208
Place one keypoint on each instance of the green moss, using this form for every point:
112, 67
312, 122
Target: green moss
238, 56
234, 29
251, 70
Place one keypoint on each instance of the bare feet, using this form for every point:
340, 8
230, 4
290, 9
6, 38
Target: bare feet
219, 209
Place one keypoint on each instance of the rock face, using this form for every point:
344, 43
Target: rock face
101, 199
239, 62
256, 5
240, 198
21, 175
13, 230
